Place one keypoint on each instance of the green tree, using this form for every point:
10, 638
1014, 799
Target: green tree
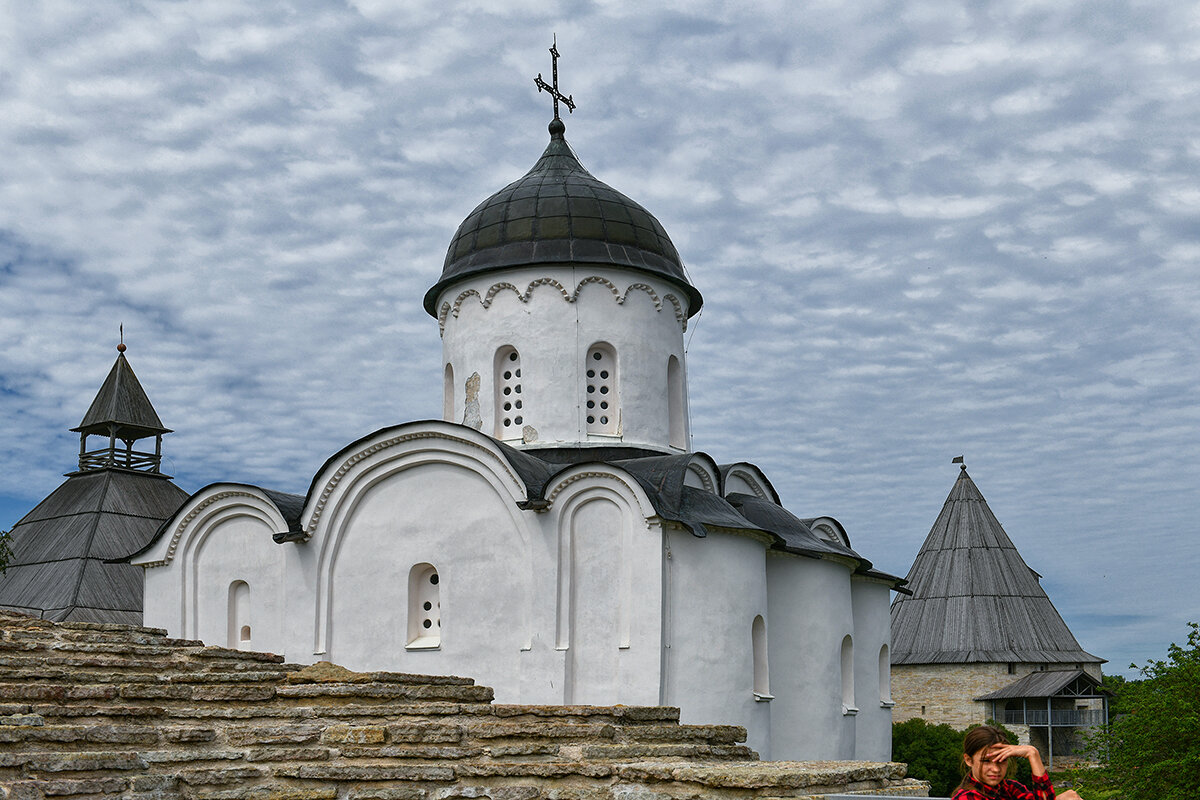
5, 551
933, 753
1153, 748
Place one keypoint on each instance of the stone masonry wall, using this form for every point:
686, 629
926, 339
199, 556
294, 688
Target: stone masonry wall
107, 711
944, 693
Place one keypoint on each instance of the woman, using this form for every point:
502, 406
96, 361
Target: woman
986, 762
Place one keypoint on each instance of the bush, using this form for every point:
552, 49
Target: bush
933, 753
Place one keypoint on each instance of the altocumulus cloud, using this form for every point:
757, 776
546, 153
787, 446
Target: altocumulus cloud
921, 229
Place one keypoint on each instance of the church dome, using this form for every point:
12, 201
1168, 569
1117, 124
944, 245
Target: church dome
559, 213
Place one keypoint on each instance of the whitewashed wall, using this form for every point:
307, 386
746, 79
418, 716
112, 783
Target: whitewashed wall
551, 316
716, 586
592, 600
810, 615
872, 635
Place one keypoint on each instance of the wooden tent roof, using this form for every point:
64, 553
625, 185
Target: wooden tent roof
973, 597
121, 402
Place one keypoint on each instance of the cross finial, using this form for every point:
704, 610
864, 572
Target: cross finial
553, 89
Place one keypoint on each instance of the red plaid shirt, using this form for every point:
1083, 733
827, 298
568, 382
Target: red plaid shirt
1007, 790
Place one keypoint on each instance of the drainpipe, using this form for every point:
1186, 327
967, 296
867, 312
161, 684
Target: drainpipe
1049, 736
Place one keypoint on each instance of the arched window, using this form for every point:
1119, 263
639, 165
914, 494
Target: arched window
848, 706
424, 607
448, 394
762, 680
238, 616
885, 677
510, 406
601, 400
676, 404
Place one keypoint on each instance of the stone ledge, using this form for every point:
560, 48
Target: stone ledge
129, 712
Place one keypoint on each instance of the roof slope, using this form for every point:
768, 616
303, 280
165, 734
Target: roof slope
973, 597
59, 549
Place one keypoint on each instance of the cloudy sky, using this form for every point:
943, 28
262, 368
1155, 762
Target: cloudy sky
922, 229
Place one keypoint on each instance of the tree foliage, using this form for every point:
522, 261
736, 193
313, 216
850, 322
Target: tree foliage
5, 551
1153, 749
933, 753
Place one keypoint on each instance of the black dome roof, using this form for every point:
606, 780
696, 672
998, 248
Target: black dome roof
559, 213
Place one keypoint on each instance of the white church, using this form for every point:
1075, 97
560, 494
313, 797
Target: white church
554, 535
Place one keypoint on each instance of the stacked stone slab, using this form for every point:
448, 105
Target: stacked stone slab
94, 710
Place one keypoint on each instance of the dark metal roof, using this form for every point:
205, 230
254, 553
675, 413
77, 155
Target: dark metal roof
1051, 683
559, 213
121, 402
661, 477
973, 597
60, 550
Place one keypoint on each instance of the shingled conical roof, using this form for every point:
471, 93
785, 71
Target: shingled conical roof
973, 597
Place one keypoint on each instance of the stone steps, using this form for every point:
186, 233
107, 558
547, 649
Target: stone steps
92, 711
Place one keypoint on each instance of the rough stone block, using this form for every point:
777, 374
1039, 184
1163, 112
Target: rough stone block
369, 734
21, 790
188, 754
540, 730
489, 792
274, 734
25, 691
155, 692
725, 734
545, 769
526, 749
73, 762
289, 754
99, 692
221, 776
224, 693
475, 694
122, 734
187, 735
98, 711
380, 772
152, 783
396, 793
424, 732
240, 655
416, 751
14, 709
66, 788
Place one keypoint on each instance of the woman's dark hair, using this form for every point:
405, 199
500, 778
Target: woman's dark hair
977, 739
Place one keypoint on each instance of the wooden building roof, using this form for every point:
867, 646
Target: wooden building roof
122, 406
58, 569
973, 597
111, 507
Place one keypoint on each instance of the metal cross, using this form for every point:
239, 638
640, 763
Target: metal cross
553, 90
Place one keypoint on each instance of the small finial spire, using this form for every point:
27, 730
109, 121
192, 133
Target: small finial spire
556, 125
959, 460
121, 345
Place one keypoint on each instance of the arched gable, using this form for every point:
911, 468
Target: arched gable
608, 550
205, 547
745, 478
348, 482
